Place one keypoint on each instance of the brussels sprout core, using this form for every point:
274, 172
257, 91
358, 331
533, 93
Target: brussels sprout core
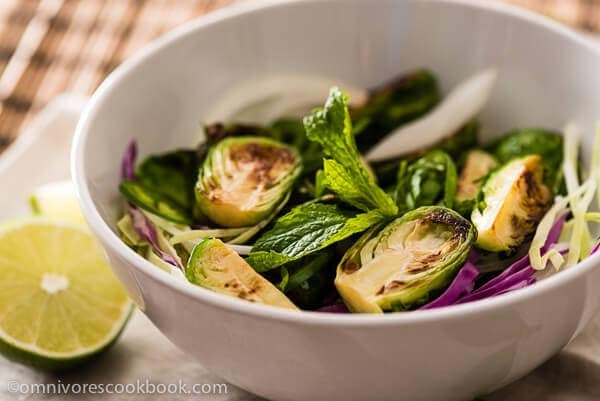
397, 267
243, 179
514, 200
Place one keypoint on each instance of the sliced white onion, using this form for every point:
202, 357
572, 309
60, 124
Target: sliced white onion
241, 249
460, 106
262, 100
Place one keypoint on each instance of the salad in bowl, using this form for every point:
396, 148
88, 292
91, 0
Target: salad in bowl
383, 200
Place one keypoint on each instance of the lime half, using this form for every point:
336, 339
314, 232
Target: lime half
60, 304
57, 200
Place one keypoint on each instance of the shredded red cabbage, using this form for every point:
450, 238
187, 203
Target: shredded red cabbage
462, 285
519, 265
334, 308
501, 285
128, 162
595, 248
146, 230
474, 256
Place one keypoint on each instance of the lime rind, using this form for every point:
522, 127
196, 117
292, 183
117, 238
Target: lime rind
55, 361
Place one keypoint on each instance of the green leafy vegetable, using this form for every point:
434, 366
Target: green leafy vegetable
306, 229
320, 186
314, 226
459, 143
292, 132
165, 185
172, 175
430, 180
344, 173
155, 202
393, 104
309, 279
456, 146
524, 142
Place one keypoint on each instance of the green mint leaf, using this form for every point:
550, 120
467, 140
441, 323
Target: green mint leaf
306, 229
172, 175
344, 173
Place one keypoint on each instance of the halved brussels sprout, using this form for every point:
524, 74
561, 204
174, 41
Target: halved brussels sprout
512, 201
214, 266
402, 265
478, 164
531, 141
243, 179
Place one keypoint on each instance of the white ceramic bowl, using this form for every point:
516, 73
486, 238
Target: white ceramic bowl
548, 75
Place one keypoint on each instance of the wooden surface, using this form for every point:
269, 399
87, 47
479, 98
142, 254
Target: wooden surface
49, 47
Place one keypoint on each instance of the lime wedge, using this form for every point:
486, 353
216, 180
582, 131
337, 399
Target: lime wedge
57, 200
60, 304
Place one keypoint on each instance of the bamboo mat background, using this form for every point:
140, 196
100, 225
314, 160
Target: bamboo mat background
49, 47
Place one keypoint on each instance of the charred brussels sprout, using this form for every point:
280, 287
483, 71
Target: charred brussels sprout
547, 144
243, 179
477, 165
292, 132
402, 265
214, 266
511, 203
286, 130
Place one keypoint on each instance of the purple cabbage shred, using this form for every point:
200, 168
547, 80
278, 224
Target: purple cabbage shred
147, 231
334, 308
142, 226
595, 248
462, 285
128, 163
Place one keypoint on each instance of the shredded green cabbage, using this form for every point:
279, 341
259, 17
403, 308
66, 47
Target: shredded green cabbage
252, 231
192, 235
579, 199
593, 217
580, 242
539, 261
165, 225
596, 162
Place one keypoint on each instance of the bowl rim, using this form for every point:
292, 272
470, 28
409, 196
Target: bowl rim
111, 240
